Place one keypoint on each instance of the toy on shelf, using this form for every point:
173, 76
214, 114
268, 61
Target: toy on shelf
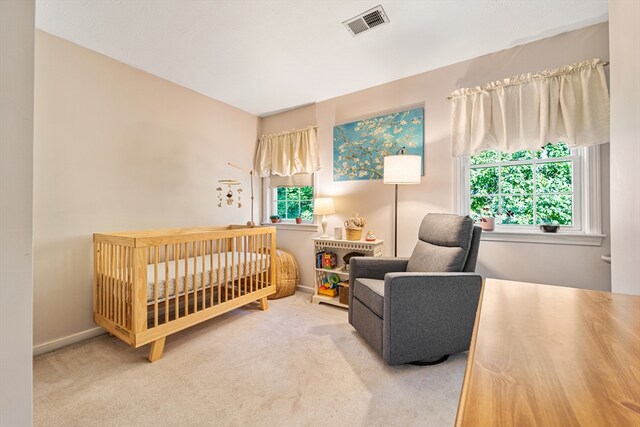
370, 236
329, 260
330, 285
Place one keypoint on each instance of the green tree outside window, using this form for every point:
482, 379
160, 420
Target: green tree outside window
535, 185
294, 202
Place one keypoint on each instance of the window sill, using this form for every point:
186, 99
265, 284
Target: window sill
291, 226
559, 238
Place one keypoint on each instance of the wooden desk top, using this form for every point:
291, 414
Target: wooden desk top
552, 356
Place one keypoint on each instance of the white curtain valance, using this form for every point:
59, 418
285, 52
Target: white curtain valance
525, 112
288, 153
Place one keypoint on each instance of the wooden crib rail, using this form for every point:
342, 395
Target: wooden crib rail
167, 236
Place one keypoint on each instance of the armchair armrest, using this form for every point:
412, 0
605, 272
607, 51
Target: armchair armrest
428, 314
375, 267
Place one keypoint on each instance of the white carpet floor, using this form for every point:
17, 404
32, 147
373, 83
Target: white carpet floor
297, 364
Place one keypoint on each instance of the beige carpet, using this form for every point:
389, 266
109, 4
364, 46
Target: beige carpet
297, 364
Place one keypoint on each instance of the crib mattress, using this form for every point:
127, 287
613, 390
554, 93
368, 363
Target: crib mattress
227, 270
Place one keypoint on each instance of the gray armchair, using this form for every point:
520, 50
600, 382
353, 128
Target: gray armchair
419, 309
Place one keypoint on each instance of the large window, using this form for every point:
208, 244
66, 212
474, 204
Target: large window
526, 188
293, 202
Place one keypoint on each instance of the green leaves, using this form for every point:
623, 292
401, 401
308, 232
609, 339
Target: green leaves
516, 179
554, 208
484, 180
293, 202
554, 177
527, 183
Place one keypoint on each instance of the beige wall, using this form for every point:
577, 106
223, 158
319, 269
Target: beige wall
577, 266
624, 36
17, 24
118, 149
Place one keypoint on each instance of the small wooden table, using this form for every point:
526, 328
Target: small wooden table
552, 356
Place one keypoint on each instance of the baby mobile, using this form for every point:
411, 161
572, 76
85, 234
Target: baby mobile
229, 196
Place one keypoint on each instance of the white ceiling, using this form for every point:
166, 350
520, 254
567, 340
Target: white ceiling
264, 56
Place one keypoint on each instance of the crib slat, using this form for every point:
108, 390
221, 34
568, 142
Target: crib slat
116, 293
112, 250
241, 260
210, 273
186, 282
105, 281
123, 285
271, 268
166, 283
203, 251
156, 253
100, 278
249, 273
176, 293
195, 277
219, 271
262, 253
226, 269
119, 282
234, 275
239, 248
128, 289
245, 239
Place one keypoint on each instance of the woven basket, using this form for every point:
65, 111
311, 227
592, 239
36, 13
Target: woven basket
354, 233
286, 274
343, 293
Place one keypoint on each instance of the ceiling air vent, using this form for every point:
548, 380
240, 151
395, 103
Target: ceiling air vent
366, 21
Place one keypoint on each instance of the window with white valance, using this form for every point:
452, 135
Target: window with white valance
525, 112
287, 161
527, 154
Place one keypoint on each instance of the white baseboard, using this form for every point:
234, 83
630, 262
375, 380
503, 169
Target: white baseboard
68, 340
305, 289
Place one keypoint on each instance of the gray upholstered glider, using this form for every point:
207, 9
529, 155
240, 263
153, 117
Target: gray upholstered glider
420, 309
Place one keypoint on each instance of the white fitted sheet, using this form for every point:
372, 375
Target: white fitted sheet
223, 267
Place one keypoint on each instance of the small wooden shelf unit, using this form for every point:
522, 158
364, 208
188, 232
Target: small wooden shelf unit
341, 248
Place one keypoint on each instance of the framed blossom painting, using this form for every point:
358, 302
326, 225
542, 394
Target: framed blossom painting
359, 148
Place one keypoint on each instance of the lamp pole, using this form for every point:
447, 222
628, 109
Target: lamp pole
395, 225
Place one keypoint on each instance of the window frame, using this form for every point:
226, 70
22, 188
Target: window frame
269, 199
587, 227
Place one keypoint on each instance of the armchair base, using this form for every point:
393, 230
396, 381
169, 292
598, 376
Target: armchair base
429, 362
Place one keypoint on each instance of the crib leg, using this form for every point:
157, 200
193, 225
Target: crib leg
157, 347
264, 304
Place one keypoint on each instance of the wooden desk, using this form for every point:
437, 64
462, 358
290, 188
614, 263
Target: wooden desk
552, 356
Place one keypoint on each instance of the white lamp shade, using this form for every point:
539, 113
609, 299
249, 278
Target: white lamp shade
402, 169
323, 206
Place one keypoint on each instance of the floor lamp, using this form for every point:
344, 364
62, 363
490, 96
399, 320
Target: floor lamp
401, 169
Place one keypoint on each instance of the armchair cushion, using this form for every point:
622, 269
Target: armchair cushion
443, 245
371, 293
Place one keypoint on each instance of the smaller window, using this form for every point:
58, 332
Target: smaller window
293, 202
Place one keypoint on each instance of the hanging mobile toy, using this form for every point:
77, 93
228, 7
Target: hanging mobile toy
229, 196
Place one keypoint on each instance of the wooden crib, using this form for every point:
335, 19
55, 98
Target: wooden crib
150, 284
